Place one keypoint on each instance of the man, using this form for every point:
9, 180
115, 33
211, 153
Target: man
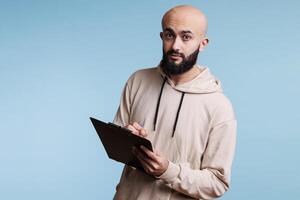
179, 106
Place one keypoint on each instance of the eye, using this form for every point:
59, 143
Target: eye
169, 35
186, 37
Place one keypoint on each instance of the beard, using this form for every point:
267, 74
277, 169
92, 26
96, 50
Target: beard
187, 63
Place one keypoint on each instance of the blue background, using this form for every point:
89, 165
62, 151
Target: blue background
64, 61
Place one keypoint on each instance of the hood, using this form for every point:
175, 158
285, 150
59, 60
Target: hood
204, 83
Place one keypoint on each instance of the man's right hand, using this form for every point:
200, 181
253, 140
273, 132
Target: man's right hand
137, 129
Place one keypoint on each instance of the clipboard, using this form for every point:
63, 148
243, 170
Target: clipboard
118, 142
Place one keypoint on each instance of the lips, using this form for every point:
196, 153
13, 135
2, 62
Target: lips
175, 56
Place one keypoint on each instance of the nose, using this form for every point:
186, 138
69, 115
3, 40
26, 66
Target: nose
176, 46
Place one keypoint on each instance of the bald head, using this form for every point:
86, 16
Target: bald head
186, 17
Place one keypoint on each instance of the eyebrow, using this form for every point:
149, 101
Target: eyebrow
170, 30
182, 32
187, 32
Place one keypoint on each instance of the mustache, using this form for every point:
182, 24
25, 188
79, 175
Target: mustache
175, 53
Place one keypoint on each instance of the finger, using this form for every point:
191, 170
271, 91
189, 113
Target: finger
145, 165
138, 130
150, 164
140, 154
133, 130
143, 132
137, 126
150, 154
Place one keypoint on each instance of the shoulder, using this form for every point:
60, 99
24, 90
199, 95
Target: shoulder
144, 72
143, 75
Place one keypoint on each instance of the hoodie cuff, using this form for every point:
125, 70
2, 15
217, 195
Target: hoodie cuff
171, 173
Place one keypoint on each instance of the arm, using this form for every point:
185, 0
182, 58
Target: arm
122, 116
213, 178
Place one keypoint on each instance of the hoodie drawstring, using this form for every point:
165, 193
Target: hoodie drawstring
158, 103
178, 111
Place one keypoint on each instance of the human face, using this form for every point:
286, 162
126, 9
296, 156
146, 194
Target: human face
181, 42
179, 51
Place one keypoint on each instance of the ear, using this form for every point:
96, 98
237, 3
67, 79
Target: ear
161, 35
204, 42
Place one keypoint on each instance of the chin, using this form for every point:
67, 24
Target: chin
177, 63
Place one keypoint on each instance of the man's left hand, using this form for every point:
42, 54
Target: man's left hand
152, 162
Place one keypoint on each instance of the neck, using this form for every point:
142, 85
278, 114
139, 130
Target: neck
187, 76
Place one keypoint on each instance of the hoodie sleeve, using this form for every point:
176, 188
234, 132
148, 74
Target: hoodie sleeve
122, 117
213, 178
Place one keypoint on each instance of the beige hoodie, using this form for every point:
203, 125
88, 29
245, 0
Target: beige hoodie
192, 124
